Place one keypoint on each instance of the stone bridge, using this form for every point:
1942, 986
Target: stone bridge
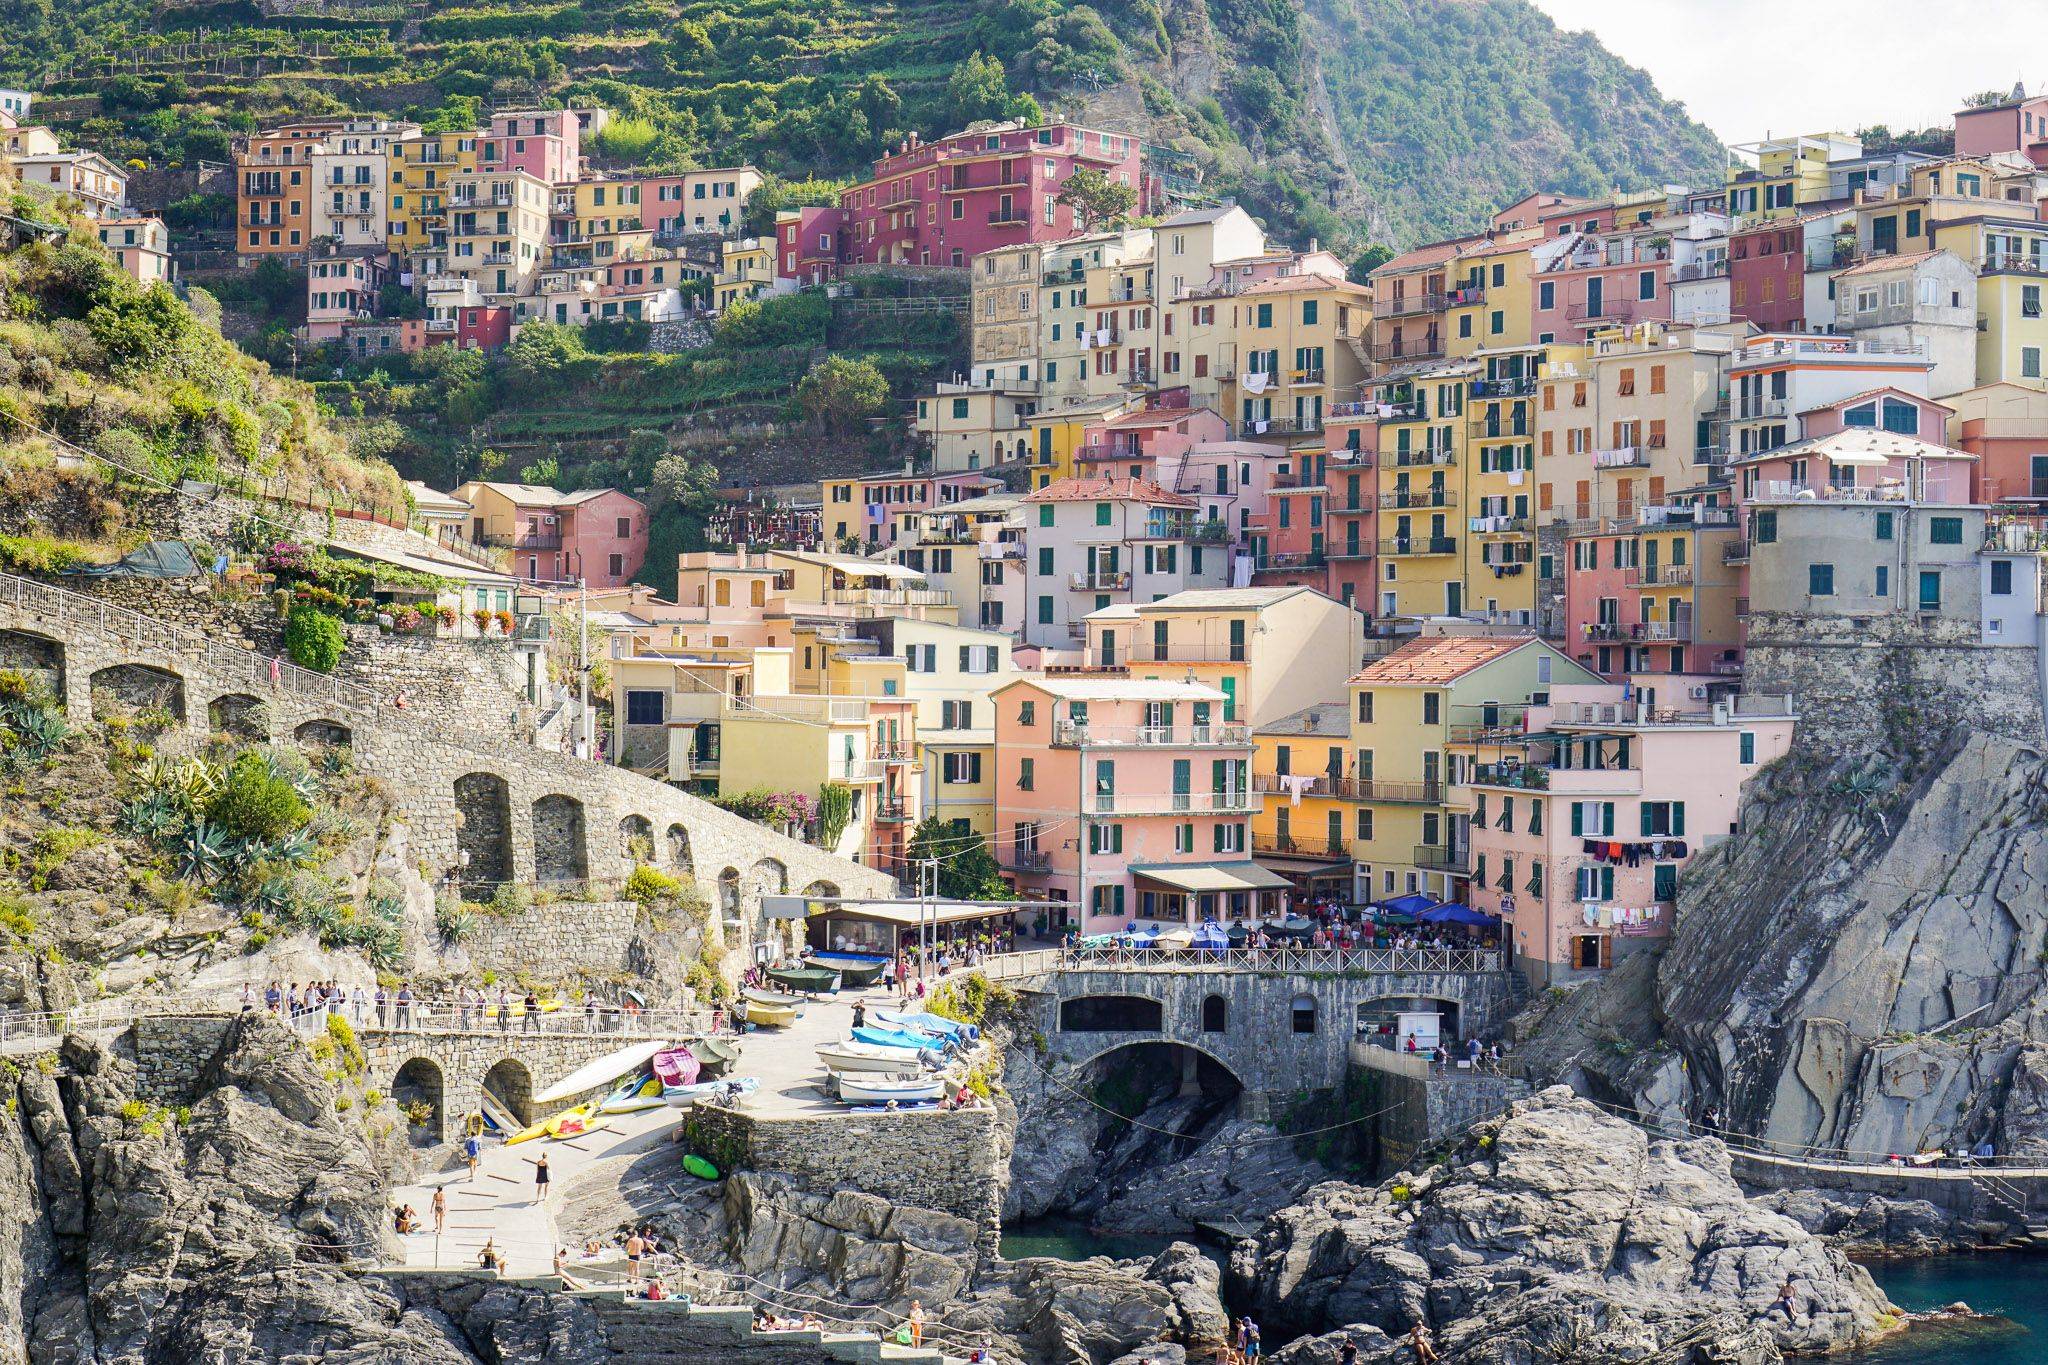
449, 1069
1277, 1032
520, 814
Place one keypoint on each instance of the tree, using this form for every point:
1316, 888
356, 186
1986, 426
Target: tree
682, 482
544, 351
967, 870
1098, 201
1369, 260
977, 89
840, 395
312, 638
547, 470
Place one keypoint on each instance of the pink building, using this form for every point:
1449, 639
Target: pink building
340, 289
807, 244
1135, 444
546, 144
1582, 830
1287, 534
597, 535
1121, 799
2016, 124
989, 186
1608, 280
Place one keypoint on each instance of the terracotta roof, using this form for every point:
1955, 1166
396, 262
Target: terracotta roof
1294, 284
1440, 659
1879, 264
1434, 254
1109, 488
1832, 404
1152, 417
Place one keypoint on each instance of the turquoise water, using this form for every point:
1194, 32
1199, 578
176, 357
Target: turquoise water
2012, 1284
1071, 1239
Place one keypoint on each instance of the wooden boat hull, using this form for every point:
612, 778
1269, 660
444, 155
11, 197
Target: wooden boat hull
856, 1090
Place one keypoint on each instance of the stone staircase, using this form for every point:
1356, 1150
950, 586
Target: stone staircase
2010, 1204
674, 1333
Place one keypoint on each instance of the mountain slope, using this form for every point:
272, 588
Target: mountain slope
1346, 120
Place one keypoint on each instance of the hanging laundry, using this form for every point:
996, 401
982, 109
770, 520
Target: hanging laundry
1256, 381
1294, 784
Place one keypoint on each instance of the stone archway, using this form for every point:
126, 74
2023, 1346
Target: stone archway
38, 658
822, 890
324, 734
1112, 1014
561, 851
679, 858
636, 839
420, 1081
1189, 1068
124, 689
768, 878
240, 715
483, 809
729, 895
511, 1085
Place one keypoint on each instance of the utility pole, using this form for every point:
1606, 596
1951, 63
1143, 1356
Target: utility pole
583, 666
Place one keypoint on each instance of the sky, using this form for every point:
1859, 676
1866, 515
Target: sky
1755, 68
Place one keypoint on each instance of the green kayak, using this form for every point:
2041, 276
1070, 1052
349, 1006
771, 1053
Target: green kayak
699, 1167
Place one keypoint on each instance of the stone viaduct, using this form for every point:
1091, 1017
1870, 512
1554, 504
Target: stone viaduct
1278, 1033
520, 814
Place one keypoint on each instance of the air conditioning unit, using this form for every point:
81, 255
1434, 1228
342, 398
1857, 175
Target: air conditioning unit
1697, 693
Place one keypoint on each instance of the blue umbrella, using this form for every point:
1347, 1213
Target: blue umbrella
1458, 914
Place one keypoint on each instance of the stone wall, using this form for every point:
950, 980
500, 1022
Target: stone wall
451, 1066
1856, 682
953, 1162
562, 940
476, 682
422, 761
172, 1051
1419, 1106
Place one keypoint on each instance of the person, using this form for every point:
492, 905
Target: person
383, 1004
440, 1210
529, 1021
1251, 1344
271, 997
1411, 1043
405, 1004
1983, 1151
590, 1014
1785, 1302
655, 1292
1348, 1354
489, 1258
916, 1324
291, 1001
401, 701
635, 1249
504, 1011
359, 1002
472, 1148
248, 997
540, 1180
860, 1014
592, 1248
1424, 1348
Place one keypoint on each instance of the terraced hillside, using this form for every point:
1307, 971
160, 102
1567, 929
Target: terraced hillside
1347, 120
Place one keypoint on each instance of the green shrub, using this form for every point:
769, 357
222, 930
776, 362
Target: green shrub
649, 885
255, 803
312, 638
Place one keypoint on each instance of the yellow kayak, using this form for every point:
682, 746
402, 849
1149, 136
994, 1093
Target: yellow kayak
531, 1131
518, 1008
584, 1118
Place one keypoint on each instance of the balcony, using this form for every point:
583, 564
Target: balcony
1350, 549
1500, 524
895, 752
1622, 457
1306, 784
1608, 312
1640, 632
1311, 377
1735, 552
1299, 845
891, 810
1100, 580
1029, 861
1307, 425
1465, 297
1427, 347
1218, 734
1419, 545
1145, 652
1287, 561
1237, 802
1106, 450
1011, 217
1701, 270
524, 540
1414, 410
888, 597
1060, 279
1408, 305
1515, 386
1532, 777
1419, 497
1427, 458
498, 258
1392, 793
1659, 576
440, 324
2013, 263
1443, 858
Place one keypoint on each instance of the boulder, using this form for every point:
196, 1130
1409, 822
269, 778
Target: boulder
1555, 1229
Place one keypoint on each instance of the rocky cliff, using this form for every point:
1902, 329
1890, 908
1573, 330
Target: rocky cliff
1860, 968
1554, 1233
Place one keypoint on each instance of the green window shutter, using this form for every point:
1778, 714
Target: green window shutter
1045, 561
1666, 882
1748, 747
1045, 516
1678, 817
1103, 513
1645, 813
1578, 819
1607, 818
1606, 883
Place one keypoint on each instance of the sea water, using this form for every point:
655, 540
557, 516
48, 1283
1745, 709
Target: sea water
2011, 1284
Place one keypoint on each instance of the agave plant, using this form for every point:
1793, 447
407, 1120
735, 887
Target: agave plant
37, 733
189, 781
201, 853
153, 816
295, 849
274, 898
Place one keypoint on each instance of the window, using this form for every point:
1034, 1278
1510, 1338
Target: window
2001, 578
1944, 530
1308, 311
1365, 708
1045, 611
1432, 708
961, 768
2030, 362
643, 707
1546, 294
1304, 1014
1104, 512
1747, 747
1766, 528
1646, 284
1930, 590
1884, 580
1662, 818
1884, 525
1027, 713
1820, 580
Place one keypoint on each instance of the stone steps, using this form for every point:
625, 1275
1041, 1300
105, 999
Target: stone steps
647, 1333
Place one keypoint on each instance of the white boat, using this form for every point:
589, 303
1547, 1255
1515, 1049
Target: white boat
682, 1096
849, 1055
859, 1090
607, 1068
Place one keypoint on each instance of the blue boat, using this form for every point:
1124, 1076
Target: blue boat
882, 1037
938, 1027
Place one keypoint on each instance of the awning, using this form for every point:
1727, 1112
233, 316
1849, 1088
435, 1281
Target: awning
1414, 903
1458, 914
1200, 877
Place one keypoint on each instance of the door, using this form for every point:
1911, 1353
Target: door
1594, 296
1454, 599
1183, 783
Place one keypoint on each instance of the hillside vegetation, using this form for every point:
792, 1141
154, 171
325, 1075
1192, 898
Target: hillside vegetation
1345, 120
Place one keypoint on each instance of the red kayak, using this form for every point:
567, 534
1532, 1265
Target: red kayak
676, 1066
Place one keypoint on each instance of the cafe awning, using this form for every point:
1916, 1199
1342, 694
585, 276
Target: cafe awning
1201, 877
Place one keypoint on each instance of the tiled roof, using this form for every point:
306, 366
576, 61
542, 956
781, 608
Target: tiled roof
1433, 254
1854, 398
1324, 718
1296, 284
1223, 599
1193, 216
1440, 659
1109, 488
1152, 417
1878, 265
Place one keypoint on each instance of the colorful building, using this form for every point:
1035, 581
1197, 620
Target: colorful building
595, 535
1091, 543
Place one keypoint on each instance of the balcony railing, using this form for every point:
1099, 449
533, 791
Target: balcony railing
1299, 845
1100, 580
1659, 576
1640, 632
1105, 450
1025, 860
2011, 263
1443, 858
1621, 457
1392, 793
1409, 348
1420, 545
1520, 776
1011, 217
1702, 270
1224, 734
1235, 802
1515, 386
1287, 561
888, 597
1279, 426
1425, 458
1350, 549
1303, 784
1420, 497
1407, 305
525, 540
1608, 310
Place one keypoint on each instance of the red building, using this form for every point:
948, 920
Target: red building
483, 328
1350, 503
991, 185
807, 246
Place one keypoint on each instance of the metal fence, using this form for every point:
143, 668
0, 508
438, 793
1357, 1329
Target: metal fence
1039, 961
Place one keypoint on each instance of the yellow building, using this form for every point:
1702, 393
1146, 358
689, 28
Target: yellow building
1423, 457
1308, 814
1052, 436
1407, 711
1488, 303
746, 269
422, 169
1499, 554
2011, 258
1789, 172
1298, 345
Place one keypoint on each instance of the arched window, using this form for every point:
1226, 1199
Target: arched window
1215, 1014
1304, 1014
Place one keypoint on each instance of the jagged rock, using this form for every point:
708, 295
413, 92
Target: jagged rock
1870, 1224
1196, 1285
1557, 1233
1164, 1353
1373, 1346
2023, 1126
1237, 1175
